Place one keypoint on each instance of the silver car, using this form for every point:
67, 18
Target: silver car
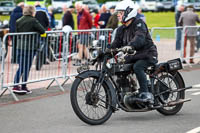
6, 7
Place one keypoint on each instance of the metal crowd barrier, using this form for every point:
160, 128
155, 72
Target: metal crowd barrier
58, 48
165, 40
190, 33
42, 54
87, 39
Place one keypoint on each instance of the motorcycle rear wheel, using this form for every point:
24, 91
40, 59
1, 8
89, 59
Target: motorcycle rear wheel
174, 82
91, 107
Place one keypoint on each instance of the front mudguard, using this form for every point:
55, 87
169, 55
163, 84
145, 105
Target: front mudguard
93, 73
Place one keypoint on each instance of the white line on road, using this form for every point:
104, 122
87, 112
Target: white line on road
190, 90
196, 93
196, 86
195, 130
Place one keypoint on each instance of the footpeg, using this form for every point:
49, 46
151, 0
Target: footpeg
173, 103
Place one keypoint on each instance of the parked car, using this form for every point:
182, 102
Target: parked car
195, 3
108, 4
58, 4
165, 5
6, 7
92, 4
148, 5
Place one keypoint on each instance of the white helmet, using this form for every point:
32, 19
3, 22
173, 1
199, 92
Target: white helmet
129, 8
67, 29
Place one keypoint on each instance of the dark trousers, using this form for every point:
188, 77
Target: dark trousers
139, 68
24, 59
178, 39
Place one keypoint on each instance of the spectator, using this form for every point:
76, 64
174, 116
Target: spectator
189, 18
84, 20
113, 20
16, 14
103, 20
67, 17
42, 15
26, 50
44, 19
86, 8
52, 17
96, 18
180, 9
140, 15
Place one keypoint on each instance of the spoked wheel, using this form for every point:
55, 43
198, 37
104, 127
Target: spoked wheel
91, 102
173, 82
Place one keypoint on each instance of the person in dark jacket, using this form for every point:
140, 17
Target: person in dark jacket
26, 47
67, 17
104, 17
44, 19
134, 34
16, 14
179, 30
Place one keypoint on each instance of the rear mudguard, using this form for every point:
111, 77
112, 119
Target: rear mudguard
180, 77
93, 73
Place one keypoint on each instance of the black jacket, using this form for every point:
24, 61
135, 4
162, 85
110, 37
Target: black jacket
28, 24
68, 19
136, 35
16, 13
42, 16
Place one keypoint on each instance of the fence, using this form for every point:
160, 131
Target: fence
80, 40
165, 40
28, 51
61, 49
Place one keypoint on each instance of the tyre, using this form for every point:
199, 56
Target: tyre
174, 82
90, 104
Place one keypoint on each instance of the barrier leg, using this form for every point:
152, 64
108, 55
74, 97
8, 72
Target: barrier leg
65, 81
11, 92
50, 84
59, 85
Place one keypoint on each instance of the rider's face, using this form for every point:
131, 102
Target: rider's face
120, 15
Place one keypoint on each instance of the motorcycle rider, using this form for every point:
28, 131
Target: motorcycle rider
134, 34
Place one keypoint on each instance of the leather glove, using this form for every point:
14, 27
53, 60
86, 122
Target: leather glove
108, 50
127, 48
120, 57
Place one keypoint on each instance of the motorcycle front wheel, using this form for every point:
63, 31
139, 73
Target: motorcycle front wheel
90, 101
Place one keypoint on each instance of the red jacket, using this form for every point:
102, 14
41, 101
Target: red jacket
85, 20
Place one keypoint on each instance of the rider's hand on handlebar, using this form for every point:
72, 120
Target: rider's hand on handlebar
126, 49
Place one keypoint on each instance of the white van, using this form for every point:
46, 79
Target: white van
148, 5
58, 4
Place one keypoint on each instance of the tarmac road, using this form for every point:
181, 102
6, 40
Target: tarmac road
54, 114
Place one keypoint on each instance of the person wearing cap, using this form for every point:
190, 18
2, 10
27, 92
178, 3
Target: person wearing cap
113, 20
134, 35
189, 18
67, 17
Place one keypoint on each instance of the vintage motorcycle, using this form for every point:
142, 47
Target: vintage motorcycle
111, 86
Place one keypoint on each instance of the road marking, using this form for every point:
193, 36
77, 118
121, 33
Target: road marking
194, 94
190, 90
196, 86
195, 130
